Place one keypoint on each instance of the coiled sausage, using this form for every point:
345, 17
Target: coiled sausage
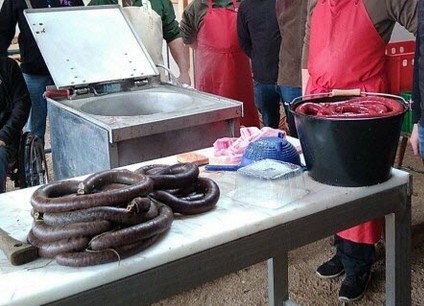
208, 189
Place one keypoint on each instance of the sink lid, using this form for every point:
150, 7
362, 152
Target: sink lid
89, 45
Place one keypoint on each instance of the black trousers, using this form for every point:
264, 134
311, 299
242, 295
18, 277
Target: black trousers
357, 258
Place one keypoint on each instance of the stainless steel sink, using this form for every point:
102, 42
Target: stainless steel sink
140, 103
142, 119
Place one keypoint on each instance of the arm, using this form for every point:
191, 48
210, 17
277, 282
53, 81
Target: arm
8, 21
191, 19
172, 35
15, 88
243, 31
180, 54
305, 80
404, 12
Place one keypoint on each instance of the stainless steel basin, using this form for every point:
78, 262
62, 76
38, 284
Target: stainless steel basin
137, 103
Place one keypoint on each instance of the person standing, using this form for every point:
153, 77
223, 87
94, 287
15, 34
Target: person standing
155, 21
221, 67
291, 16
261, 42
345, 43
417, 135
34, 69
15, 104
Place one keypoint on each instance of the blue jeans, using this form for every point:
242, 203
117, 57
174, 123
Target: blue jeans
6, 156
288, 94
36, 84
267, 100
421, 139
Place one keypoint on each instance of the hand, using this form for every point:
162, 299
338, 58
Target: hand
184, 78
305, 80
414, 141
2, 144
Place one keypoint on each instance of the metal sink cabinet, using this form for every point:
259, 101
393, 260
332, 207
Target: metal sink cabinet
143, 118
84, 142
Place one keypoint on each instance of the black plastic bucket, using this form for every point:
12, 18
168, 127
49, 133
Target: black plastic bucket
348, 152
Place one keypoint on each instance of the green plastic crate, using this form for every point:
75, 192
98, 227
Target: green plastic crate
407, 119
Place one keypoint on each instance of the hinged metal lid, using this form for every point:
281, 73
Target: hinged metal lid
89, 45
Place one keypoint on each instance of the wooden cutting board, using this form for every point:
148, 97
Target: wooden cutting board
193, 157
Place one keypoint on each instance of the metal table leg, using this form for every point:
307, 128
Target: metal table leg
278, 280
398, 253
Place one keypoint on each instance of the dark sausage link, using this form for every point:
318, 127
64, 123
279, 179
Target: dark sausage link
188, 206
182, 192
139, 204
174, 176
51, 249
47, 233
151, 169
99, 180
48, 199
114, 214
153, 212
134, 233
64, 190
193, 197
91, 258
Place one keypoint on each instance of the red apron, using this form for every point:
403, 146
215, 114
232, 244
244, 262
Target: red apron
221, 67
346, 52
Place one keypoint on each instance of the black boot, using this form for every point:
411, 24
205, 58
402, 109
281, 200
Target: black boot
334, 266
357, 259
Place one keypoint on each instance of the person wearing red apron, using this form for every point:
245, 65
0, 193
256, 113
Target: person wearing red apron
347, 52
221, 67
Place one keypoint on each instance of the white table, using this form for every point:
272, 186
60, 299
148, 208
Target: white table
204, 247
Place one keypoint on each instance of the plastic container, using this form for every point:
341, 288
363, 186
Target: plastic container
269, 183
399, 66
278, 148
348, 152
407, 119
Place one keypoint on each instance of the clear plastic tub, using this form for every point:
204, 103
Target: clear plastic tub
269, 183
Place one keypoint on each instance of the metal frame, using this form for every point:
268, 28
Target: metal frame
273, 245
30, 167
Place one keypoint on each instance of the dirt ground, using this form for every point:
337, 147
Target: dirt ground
248, 287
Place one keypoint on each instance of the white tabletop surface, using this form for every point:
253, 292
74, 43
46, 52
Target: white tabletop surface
43, 280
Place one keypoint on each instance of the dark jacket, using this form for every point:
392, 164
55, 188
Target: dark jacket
259, 37
12, 14
15, 101
418, 85
291, 17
